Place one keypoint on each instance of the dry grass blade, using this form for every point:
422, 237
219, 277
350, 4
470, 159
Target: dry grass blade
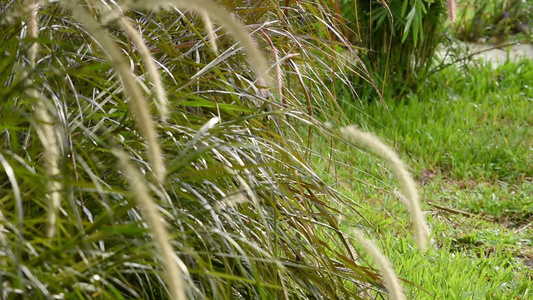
137, 101
277, 62
174, 275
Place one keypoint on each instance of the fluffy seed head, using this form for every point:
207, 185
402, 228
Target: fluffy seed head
210, 32
174, 276
137, 101
384, 265
451, 10
399, 170
151, 68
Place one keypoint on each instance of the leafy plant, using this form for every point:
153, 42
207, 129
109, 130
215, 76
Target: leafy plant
399, 39
493, 20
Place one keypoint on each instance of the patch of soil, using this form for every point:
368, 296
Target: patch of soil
527, 257
426, 176
515, 220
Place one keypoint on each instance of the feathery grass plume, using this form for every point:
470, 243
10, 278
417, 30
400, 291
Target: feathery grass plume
384, 265
16, 192
52, 153
151, 68
399, 170
45, 128
210, 32
137, 102
220, 15
141, 193
451, 10
279, 73
2, 236
32, 10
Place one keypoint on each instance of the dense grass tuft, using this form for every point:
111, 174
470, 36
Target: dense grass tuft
211, 160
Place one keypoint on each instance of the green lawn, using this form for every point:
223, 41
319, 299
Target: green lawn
467, 135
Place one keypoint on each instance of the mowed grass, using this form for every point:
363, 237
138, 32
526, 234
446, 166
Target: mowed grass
467, 135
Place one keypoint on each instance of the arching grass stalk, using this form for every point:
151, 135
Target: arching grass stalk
45, 127
218, 14
384, 265
399, 170
451, 10
151, 68
210, 32
52, 152
174, 276
137, 101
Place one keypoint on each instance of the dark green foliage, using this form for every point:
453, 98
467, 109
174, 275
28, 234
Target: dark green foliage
398, 38
494, 20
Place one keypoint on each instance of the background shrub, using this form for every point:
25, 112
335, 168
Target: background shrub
398, 40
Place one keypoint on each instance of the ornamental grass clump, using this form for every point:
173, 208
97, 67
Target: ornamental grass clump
207, 174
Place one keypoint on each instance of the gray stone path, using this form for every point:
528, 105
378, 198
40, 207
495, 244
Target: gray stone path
496, 56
